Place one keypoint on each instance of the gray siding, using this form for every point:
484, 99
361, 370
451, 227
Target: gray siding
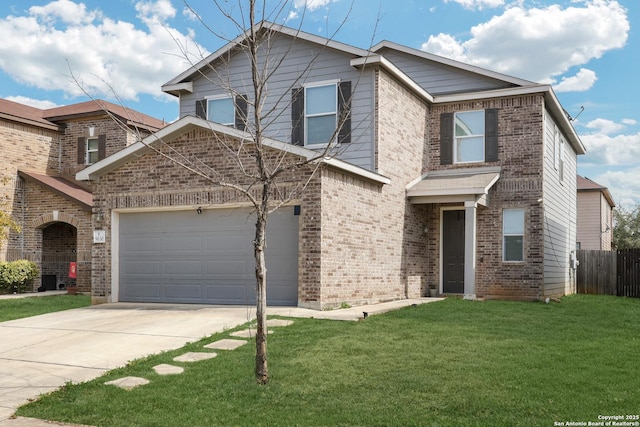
560, 221
438, 78
291, 59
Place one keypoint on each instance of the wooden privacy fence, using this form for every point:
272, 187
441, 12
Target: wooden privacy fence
609, 272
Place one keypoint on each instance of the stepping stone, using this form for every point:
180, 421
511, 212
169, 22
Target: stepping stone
166, 369
225, 344
279, 322
128, 383
194, 357
247, 333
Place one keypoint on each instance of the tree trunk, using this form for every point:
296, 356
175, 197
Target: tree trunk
262, 370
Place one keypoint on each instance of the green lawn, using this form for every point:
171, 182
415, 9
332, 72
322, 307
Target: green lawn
18, 308
443, 364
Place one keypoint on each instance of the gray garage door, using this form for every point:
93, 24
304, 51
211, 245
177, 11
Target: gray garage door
183, 257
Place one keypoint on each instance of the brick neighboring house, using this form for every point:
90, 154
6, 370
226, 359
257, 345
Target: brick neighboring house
42, 150
595, 215
445, 175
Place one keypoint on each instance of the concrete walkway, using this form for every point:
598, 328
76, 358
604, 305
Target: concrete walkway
40, 354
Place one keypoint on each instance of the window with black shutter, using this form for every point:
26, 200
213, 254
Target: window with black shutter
469, 137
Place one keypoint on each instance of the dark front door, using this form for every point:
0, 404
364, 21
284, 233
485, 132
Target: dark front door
453, 252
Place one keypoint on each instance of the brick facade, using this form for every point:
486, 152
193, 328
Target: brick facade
55, 230
520, 148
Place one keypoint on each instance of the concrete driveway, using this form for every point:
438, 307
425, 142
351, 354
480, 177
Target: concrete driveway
40, 354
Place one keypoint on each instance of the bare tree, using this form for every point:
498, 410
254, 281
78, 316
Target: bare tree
261, 167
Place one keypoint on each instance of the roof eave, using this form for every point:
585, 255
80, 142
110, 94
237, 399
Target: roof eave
451, 63
189, 123
381, 61
26, 121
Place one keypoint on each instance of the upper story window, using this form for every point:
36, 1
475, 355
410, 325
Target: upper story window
221, 110
91, 148
226, 110
318, 110
469, 137
92, 151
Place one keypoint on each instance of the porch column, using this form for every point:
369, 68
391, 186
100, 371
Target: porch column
470, 208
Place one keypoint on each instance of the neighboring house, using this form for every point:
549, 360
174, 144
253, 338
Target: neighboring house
446, 175
595, 216
42, 150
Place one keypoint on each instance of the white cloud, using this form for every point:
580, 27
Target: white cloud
605, 149
540, 44
605, 126
477, 4
623, 185
582, 81
311, 5
37, 103
46, 45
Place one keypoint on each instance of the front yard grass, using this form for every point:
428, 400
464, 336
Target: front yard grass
18, 308
449, 363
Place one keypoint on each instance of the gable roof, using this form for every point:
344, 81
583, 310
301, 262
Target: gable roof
99, 107
180, 82
386, 44
26, 114
188, 123
52, 118
362, 58
586, 185
67, 189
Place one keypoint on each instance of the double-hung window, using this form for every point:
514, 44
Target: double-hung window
513, 235
320, 113
469, 137
92, 156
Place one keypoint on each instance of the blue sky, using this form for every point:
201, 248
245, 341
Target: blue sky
589, 50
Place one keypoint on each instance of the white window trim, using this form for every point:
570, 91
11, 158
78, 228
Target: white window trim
306, 86
87, 151
218, 98
455, 139
524, 226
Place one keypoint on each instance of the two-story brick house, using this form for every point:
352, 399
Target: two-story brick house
444, 175
42, 150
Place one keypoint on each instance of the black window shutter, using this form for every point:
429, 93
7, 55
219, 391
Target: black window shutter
201, 108
446, 138
297, 116
82, 144
241, 112
491, 135
102, 146
344, 112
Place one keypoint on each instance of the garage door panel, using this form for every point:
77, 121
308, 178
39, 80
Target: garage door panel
141, 267
183, 267
137, 243
227, 269
179, 256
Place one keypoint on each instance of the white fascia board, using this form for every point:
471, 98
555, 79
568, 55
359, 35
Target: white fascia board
188, 123
553, 104
175, 89
450, 62
494, 93
394, 71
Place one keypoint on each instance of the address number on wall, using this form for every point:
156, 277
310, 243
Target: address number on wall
99, 236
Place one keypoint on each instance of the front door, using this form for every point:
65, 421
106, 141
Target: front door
453, 252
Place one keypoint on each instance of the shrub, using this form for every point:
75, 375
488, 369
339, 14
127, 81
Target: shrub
15, 276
